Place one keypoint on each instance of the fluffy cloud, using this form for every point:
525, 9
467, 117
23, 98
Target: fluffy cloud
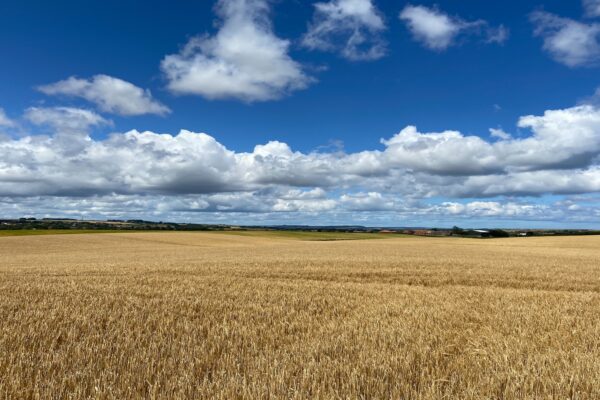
244, 60
261, 208
499, 134
193, 173
568, 41
593, 100
371, 201
495, 209
4, 120
592, 8
352, 27
65, 119
438, 31
111, 95
562, 139
193, 163
70, 127
534, 183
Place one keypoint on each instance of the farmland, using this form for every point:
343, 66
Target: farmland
267, 316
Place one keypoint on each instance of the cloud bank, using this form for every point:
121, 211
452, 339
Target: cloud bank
192, 172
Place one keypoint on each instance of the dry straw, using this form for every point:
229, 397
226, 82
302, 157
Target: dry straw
215, 316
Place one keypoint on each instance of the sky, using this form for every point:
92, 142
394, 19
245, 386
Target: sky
369, 112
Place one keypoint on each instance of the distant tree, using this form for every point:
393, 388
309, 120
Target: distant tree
456, 230
498, 233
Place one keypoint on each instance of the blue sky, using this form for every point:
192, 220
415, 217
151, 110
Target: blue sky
334, 85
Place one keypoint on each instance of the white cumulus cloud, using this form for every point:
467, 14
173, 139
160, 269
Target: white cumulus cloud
351, 27
371, 201
569, 42
438, 30
192, 172
65, 119
493, 209
245, 60
564, 143
111, 95
4, 120
499, 134
561, 139
592, 8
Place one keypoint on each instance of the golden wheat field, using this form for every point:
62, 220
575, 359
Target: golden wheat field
223, 316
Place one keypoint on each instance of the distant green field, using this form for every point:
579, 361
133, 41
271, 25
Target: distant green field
297, 235
29, 232
312, 236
